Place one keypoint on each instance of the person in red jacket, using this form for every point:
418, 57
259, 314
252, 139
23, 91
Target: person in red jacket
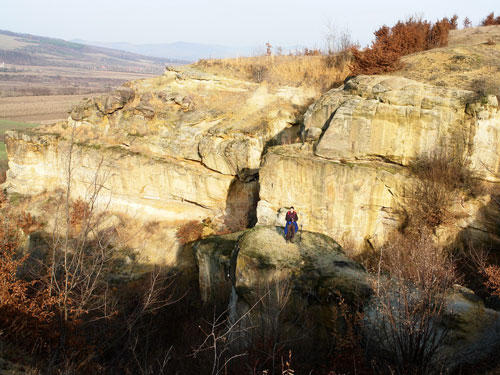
291, 217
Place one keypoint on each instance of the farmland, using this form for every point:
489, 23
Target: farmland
37, 109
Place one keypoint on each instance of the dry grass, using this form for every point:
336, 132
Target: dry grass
279, 70
468, 58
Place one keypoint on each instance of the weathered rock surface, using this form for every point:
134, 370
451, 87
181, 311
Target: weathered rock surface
257, 268
185, 145
222, 123
213, 260
349, 181
139, 186
312, 274
313, 263
396, 119
350, 202
356, 202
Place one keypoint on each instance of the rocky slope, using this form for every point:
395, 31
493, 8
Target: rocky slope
192, 145
302, 283
189, 145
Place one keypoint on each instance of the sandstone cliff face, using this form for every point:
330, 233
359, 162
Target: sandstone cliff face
350, 202
183, 146
397, 120
189, 145
349, 182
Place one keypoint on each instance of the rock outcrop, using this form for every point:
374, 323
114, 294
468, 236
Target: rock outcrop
312, 275
183, 146
348, 201
189, 145
348, 182
254, 269
397, 120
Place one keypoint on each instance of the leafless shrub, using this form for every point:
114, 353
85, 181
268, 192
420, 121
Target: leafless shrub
439, 177
410, 305
269, 336
259, 72
338, 47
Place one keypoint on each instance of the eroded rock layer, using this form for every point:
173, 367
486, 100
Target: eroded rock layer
349, 181
259, 274
183, 146
397, 120
348, 201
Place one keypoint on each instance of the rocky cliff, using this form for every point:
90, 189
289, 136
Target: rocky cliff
190, 145
349, 180
299, 285
183, 146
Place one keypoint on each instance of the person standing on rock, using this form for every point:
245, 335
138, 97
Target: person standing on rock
291, 217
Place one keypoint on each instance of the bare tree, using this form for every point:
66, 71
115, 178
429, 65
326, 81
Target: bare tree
410, 305
338, 43
80, 257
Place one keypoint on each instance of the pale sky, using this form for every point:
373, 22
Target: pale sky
226, 22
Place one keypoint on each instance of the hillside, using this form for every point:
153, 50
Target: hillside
25, 49
470, 61
177, 50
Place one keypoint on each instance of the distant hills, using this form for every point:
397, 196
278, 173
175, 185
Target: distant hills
26, 49
178, 50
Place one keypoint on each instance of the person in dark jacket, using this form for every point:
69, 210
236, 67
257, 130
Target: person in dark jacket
291, 217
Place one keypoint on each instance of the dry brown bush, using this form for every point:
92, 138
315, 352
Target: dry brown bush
27, 223
404, 38
259, 72
27, 308
490, 20
492, 273
80, 211
411, 290
189, 232
440, 181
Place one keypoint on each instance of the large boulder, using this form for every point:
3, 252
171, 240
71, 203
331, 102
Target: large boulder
396, 119
258, 274
213, 261
314, 264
